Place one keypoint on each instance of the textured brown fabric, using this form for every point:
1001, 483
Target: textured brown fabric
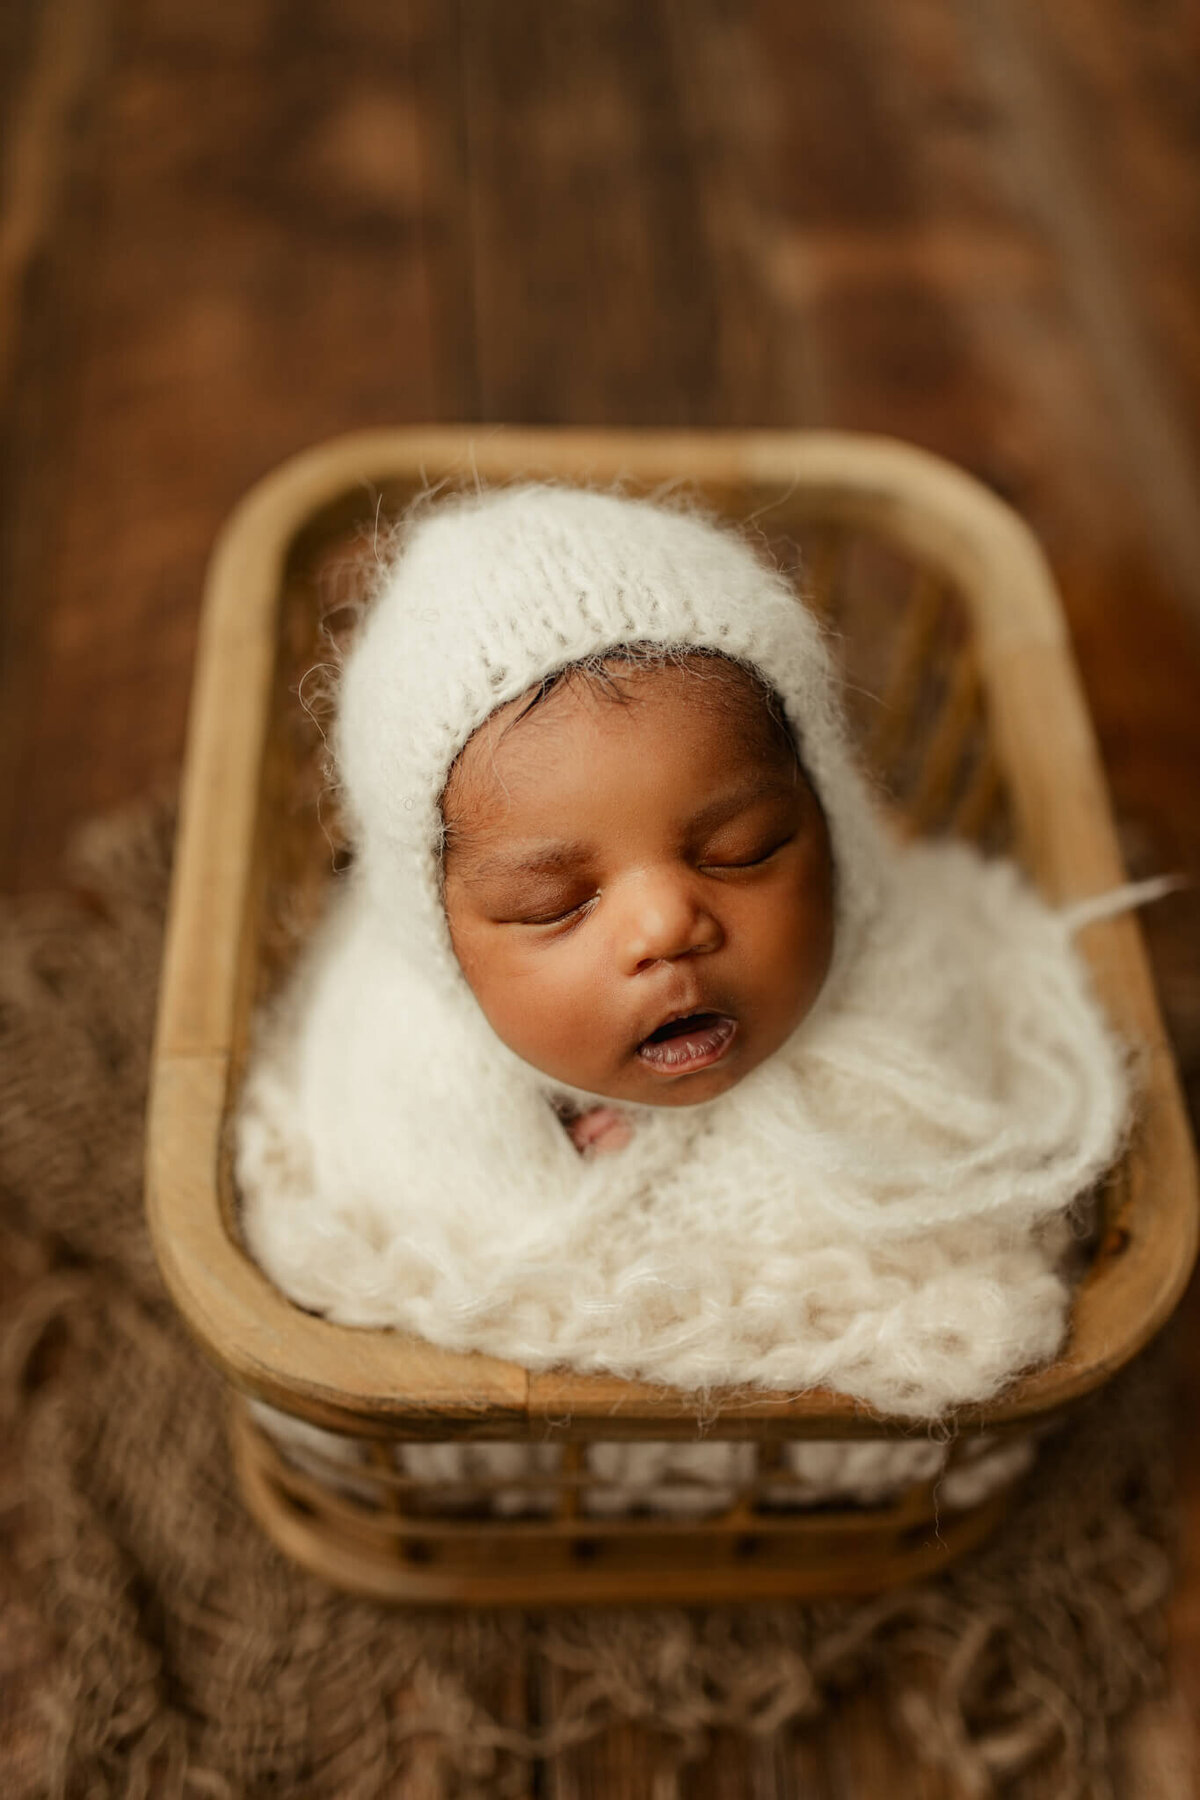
166, 1650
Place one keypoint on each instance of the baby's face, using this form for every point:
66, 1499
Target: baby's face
639, 892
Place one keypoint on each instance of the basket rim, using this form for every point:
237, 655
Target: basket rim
388, 1382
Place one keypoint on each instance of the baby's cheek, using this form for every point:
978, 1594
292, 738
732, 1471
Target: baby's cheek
782, 949
560, 1017
538, 1002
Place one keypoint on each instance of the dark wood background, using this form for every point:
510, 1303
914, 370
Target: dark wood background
233, 228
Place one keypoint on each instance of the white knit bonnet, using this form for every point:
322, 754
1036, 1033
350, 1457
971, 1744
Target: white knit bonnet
493, 593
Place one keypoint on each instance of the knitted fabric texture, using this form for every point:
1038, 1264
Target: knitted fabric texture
880, 1207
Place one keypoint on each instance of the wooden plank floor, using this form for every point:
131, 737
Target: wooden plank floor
231, 230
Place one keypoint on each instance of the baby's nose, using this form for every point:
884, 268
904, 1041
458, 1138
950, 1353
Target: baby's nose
666, 920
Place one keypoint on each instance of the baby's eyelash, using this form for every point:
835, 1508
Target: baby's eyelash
560, 918
753, 862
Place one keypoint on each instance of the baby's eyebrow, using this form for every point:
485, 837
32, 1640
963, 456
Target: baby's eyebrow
532, 859
740, 799
557, 857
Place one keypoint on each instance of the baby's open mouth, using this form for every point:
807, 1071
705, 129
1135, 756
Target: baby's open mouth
695, 1041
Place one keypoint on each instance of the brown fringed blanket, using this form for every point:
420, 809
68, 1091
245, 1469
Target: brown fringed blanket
156, 1645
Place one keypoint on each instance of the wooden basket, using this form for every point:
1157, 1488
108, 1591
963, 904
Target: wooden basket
969, 710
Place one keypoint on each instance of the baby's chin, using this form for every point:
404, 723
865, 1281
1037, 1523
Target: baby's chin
683, 1094
693, 1090
676, 1073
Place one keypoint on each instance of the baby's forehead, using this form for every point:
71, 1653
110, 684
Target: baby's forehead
584, 708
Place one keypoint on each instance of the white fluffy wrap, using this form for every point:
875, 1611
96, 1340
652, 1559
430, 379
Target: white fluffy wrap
880, 1207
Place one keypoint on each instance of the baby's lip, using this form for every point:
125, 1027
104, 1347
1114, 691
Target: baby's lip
684, 1007
701, 1038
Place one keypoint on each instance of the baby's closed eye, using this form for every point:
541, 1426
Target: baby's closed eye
543, 908
744, 856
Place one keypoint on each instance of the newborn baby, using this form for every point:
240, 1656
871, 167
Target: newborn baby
638, 881
634, 1040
